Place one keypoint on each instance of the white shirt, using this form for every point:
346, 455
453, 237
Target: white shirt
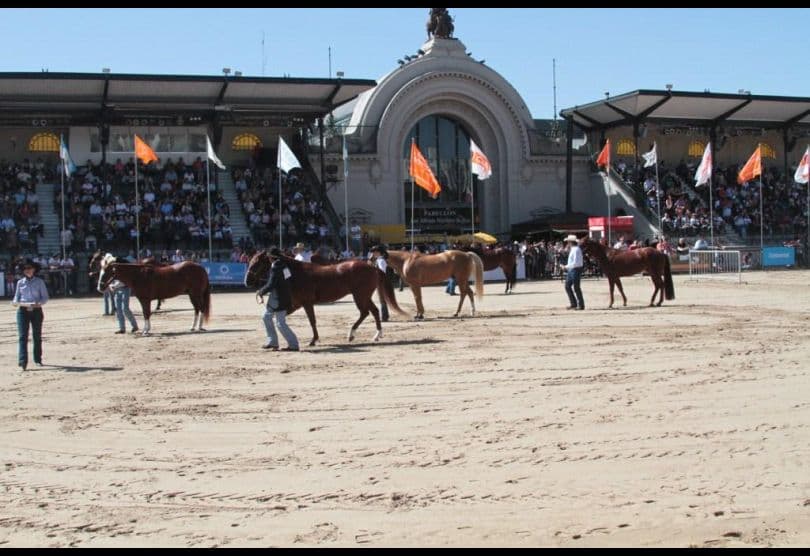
574, 258
382, 264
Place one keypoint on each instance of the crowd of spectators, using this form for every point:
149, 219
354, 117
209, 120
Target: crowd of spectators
20, 219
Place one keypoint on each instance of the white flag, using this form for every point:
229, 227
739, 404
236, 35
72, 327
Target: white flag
212, 156
650, 158
479, 163
803, 171
704, 171
286, 160
345, 160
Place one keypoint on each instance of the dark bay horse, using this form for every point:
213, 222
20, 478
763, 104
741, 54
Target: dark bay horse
502, 257
311, 284
419, 270
161, 282
94, 267
615, 263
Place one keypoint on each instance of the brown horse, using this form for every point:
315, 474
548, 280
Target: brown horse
94, 267
615, 263
151, 282
502, 257
420, 270
311, 284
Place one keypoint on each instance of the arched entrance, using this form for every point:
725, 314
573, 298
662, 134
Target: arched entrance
445, 143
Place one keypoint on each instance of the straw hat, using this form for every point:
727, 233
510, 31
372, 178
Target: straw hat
299, 246
571, 237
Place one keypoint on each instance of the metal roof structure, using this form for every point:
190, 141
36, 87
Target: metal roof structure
127, 95
705, 109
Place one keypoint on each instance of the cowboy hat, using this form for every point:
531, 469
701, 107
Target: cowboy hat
299, 245
30, 263
571, 237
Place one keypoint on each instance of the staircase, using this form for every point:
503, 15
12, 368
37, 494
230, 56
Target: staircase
239, 226
319, 192
49, 214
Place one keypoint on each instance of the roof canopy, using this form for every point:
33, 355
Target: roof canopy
700, 108
71, 93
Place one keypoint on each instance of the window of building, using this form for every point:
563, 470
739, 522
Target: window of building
696, 148
626, 147
245, 142
44, 142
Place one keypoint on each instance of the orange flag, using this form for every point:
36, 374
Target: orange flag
144, 151
604, 156
752, 168
421, 173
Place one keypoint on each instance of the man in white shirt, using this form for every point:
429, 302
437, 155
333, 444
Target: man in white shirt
302, 253
573, 274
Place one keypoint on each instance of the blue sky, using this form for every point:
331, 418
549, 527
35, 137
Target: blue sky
616, 50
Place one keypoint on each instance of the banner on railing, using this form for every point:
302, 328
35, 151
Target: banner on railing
230, 274
778, 256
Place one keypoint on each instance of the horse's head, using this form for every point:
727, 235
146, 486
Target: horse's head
94, 264
589, 245
109, 269
258, 269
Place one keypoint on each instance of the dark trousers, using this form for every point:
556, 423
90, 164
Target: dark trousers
26, 318
572, 288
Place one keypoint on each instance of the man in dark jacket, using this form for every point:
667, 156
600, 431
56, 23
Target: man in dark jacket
279, 303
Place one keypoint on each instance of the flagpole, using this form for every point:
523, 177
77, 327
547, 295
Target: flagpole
609, 190
208, 188
137, 227
711, 213
413, 141
658, 197
62, 175
346, 191
280, 243
761, 221
472, 206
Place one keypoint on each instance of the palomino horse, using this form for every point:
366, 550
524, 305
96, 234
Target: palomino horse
615, 263
311, 284
94, 267
420, 270
161, 282
502, 257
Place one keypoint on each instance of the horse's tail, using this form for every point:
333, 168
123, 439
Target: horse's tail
386, 291
513, 275
478, 274
669, 287
206, 308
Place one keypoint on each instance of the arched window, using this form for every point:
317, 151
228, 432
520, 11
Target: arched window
245, 142
44, 143
767, 151
626, 147
696, 148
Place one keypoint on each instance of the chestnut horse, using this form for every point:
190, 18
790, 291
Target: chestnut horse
615, 263
312, 283
161, 282
419, 270
94, 267
502, 257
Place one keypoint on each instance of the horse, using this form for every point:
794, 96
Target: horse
615, 263
312, 283
161, 282
502, 257
94, 267
420, 270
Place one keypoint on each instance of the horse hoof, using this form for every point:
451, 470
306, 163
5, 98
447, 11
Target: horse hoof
201, 329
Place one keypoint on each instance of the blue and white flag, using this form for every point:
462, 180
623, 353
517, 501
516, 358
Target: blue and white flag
64, 155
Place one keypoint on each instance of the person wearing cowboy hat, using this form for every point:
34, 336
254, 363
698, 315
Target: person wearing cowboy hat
29, 296
302, 253
573, 274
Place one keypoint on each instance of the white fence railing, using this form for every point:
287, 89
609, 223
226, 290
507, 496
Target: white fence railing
713, 263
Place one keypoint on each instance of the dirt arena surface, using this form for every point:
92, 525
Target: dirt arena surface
528, 425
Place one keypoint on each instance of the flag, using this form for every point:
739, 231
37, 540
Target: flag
144, 151
64, 155
650, 158
752, 168
604, 156
421, 173
479, 162
803, 171
704, 171
212, 156
345, 160
286, 160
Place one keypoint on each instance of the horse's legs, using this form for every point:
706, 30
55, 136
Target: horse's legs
197, 303
466, 291
146, 308
417, 295
621, 290
659, 286
310, 311
612, 284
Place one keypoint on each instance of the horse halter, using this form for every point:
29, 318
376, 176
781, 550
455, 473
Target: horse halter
256, 267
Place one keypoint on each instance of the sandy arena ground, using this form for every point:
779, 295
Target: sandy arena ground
528, 425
